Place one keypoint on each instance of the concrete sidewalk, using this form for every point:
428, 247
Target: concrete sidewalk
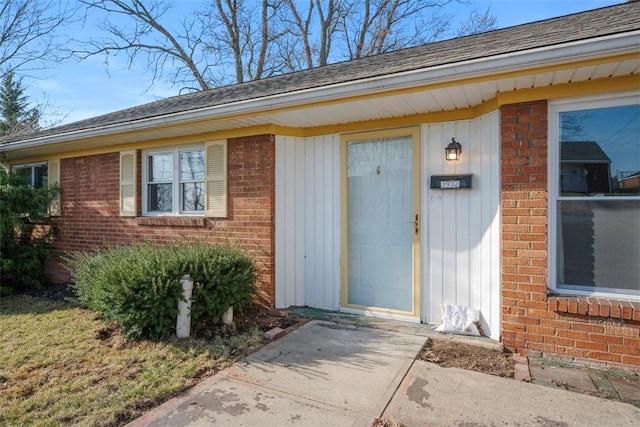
333, 374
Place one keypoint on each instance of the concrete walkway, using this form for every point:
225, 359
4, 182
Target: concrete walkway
335, 374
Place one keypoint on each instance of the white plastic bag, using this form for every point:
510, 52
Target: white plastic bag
459, 319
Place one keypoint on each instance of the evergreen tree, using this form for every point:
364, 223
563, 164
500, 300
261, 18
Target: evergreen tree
16, 118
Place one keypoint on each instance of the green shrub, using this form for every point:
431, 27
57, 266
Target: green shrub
22, 253
138, 287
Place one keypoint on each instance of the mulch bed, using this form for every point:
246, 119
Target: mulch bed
449, 354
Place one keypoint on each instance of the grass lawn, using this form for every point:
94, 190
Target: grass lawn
59, 364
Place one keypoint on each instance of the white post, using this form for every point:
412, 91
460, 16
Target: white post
227, 317
183, 323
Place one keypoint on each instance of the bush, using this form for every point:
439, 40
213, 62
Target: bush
139, 287
22, 252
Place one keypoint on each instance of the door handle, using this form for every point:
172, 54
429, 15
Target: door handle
416, 223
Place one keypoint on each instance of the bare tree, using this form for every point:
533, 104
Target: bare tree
196, 53
164, 49
380, 26
233, 41
326, 18
299, 23
377, 26
329, 21
230, 19
349, 29
31, 33
477, 23
248, 35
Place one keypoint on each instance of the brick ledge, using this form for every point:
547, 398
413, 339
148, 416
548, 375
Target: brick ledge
170, 221
597, 307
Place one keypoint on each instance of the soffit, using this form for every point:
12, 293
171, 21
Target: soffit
399, 104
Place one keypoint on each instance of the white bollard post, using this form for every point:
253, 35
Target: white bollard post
183, 323
227, 317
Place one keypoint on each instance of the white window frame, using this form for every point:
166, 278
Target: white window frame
175, 190
555, 108
52, 178
31, 166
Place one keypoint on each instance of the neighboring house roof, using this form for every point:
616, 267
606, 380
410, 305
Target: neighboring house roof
582, 152
630, 175
446, 61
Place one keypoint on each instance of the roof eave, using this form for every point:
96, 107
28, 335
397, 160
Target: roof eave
481, 67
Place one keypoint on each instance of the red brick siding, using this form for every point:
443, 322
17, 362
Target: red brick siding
589, 330
90, 208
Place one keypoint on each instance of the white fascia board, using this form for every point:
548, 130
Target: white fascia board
514, 61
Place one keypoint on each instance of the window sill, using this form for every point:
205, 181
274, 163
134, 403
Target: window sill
597, 307
172, 221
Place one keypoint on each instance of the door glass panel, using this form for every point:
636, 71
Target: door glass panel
380, 223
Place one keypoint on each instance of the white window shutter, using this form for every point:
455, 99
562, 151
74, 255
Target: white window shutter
53, 178
128, 183
216, 179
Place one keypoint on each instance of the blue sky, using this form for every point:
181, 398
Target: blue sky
81, 90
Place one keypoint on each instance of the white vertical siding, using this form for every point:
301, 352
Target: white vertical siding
290, 222
308, 222
460, 257
322, 224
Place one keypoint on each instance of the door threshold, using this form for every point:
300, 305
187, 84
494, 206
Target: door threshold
380, 314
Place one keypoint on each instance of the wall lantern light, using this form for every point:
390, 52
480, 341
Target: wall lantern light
453, 150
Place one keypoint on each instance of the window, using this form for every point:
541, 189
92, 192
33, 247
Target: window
594, 172
174, 181
39, 175
186, 180
33, 174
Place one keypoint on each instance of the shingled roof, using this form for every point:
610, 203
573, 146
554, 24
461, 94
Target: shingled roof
582, 152
571, 28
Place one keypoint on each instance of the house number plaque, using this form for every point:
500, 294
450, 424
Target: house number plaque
450, 182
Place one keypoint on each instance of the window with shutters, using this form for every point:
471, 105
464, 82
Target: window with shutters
188, 180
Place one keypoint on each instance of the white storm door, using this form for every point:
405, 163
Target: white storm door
382, 224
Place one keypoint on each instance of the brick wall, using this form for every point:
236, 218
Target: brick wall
586, 330
90, 208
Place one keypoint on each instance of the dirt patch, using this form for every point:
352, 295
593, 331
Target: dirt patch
63, 292
243, 320
109, 334
452, 354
